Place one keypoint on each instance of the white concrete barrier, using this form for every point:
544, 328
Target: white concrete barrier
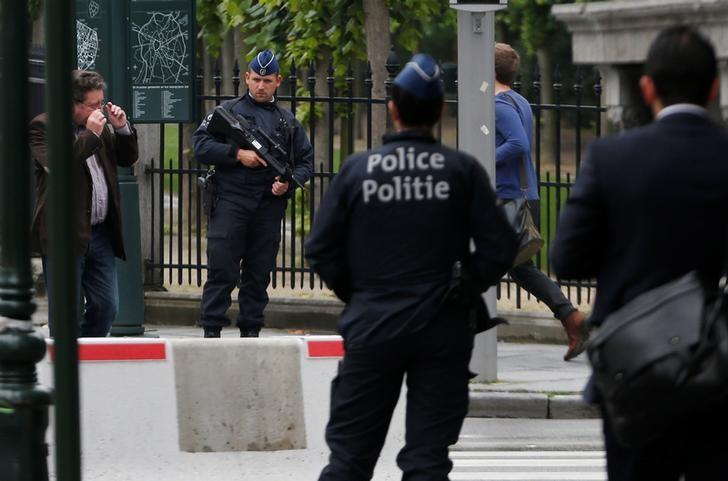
239, 394
126, 396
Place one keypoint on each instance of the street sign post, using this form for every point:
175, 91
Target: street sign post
476, 128
478, 5
144, 49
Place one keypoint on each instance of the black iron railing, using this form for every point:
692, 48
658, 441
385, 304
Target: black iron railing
341, 122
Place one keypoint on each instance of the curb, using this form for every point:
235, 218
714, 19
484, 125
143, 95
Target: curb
529, 405
320, 315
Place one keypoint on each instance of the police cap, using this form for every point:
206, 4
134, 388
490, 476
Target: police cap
264, 63
421, 78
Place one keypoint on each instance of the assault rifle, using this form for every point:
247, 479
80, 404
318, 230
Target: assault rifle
237, 130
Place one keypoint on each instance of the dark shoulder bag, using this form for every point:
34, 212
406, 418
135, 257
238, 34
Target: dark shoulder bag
662, 358
517, 212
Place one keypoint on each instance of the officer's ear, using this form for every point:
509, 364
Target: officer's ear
393, 111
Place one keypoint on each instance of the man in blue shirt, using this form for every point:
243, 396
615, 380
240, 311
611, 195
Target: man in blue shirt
514, 125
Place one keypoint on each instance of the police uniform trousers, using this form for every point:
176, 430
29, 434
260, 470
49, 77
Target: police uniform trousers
434, 362
243, 236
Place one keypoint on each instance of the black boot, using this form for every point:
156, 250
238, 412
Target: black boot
212, 331
249, 332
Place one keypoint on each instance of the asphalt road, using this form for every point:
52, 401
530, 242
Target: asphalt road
489, 449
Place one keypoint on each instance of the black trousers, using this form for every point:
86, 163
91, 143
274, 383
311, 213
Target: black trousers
696, 449
365, 393
530, 278
243, 237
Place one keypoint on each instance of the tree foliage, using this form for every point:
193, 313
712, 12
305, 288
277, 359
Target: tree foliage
307, 30
532, 22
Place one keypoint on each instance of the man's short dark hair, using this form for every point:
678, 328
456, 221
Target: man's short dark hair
682, 65
507, 63
84, 81
414, 112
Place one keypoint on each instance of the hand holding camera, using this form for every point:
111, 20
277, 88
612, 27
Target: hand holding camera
116, 115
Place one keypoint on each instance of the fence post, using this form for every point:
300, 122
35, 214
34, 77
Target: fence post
23, 403
392, 67
64, 310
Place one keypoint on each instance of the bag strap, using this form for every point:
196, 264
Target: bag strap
522, 177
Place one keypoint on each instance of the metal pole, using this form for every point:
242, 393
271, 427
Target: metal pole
59, 62
130, 319
23, 404
476, 134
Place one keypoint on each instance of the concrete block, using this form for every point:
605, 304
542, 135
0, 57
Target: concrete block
508, 405
126, 388
239, 394
571, 406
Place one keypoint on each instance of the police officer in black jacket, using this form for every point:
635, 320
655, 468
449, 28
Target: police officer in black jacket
389, 230
249, 201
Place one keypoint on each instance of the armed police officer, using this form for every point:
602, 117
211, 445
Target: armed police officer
392, 226
248, 199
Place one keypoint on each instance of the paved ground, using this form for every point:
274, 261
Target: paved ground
533, 382
518, 450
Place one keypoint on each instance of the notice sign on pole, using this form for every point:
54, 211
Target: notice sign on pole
161, 60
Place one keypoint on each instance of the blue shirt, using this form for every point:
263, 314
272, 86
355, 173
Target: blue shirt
513, 135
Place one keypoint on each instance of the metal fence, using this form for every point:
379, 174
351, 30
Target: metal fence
343, 119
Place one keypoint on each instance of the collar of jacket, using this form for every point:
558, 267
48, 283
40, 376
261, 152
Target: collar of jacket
421, 135
264, 105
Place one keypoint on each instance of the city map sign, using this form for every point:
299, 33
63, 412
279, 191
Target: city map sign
145, 51
93, 36
161, 62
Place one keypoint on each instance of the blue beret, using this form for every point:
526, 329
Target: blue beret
421, 78
264, 63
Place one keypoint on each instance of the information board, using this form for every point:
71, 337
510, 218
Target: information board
161, 60
93, 36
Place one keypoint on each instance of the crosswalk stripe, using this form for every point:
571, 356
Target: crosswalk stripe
528, 466
530, 463
526, 454
515, 476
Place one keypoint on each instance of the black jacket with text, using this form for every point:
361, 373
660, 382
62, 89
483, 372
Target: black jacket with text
390, 227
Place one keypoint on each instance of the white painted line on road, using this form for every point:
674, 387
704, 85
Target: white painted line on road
527, 454
530, 463
517, 476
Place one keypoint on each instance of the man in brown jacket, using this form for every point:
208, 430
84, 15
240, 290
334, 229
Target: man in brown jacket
103, 140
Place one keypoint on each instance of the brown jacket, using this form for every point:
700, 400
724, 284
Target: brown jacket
111, 150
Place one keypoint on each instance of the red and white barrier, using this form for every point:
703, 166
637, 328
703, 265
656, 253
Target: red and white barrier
138, 396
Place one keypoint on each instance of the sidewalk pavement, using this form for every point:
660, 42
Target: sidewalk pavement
533, 380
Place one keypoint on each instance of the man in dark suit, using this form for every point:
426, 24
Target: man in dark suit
647, 207
102, 141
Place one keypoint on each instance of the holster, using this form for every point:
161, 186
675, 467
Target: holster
464, 298
209, 191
